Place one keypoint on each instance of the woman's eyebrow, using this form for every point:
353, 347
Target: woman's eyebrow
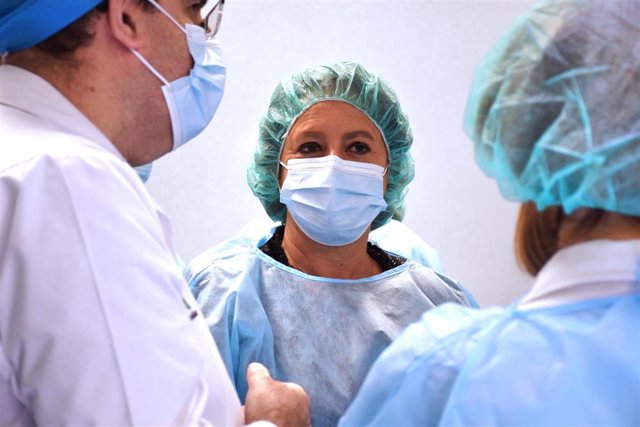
311, 134
358, 133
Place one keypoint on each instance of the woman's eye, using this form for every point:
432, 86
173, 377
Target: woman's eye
309, 147
359, 148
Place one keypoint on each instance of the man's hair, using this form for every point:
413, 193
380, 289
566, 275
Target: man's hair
79, 33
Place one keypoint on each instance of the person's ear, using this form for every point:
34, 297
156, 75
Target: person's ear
127, 21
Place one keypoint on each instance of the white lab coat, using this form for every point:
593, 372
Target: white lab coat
96, 323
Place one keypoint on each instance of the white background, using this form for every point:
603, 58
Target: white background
427, 51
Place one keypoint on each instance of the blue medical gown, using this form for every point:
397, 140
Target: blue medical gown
323, 334
397, 238
571, 365
394, 237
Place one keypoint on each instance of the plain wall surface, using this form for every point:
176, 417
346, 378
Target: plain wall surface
427, 51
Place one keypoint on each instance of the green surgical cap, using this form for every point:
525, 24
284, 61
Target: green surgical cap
554, 110
348, 82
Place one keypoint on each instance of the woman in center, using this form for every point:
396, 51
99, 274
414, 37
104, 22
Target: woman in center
314, 300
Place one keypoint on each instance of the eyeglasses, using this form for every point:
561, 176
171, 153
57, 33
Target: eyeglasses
212, 18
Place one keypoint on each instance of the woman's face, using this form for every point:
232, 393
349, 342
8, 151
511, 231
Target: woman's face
334, 128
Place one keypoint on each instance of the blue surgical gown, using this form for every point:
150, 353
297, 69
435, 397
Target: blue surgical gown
321, 333
394, 236
565, 363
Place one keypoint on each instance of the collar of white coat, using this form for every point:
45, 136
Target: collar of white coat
589, 270
28, 92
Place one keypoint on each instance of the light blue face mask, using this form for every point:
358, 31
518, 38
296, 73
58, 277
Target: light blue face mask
332, 200
192, 100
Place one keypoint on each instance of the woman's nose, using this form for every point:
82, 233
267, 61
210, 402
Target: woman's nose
335, 152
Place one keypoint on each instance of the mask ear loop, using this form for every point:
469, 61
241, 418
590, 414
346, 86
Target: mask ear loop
150, 67
284, 141
165, 13
278, 173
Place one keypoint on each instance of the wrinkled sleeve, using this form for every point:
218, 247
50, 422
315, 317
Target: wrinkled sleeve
442, 289
216, 305
226, 281
397, 238
95, 321
461, 293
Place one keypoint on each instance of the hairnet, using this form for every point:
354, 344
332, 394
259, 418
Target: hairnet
25, 23
348, 82
554, 110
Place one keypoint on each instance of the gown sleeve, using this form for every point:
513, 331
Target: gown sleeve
226, 281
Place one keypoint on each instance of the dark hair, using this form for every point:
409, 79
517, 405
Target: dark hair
79, 33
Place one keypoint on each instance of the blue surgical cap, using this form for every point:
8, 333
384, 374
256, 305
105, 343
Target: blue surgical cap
25, 23
344, 81
554, 110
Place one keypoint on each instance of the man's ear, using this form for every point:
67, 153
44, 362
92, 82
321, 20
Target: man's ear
127, 21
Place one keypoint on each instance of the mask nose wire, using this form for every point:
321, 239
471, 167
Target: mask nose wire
280, 163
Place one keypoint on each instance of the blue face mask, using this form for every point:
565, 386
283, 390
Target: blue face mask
192, 100
333, 201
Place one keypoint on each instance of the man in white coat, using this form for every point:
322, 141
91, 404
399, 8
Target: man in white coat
96, 324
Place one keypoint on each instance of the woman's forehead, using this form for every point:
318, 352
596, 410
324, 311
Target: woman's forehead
335, 117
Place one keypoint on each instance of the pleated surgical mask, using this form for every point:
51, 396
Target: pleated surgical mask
192, 100
332, 200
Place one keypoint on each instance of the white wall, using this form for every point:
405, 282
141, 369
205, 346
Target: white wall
427, 51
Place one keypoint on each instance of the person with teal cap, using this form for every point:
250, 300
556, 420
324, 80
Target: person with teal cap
555, 119
315, 300
97, 326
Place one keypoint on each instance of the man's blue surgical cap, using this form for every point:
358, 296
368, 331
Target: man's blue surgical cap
25, 23
554, 110
344, 81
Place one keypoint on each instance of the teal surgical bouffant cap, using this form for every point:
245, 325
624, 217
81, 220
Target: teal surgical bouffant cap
344, 81
554, 110
25, 23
